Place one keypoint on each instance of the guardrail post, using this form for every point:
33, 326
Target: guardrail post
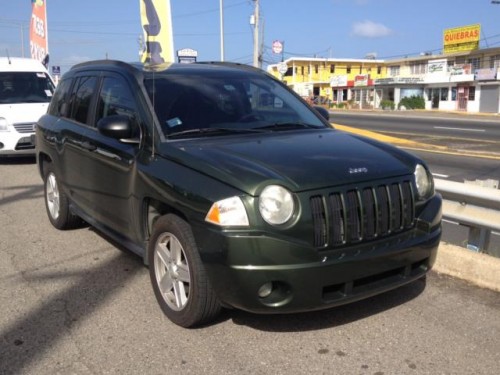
479, 239
476, 207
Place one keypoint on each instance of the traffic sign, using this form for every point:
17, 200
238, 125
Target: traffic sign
282, 67
277, 47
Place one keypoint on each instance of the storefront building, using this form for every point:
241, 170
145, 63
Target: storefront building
332, 81
463, 81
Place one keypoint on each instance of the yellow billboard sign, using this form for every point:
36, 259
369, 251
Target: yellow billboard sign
460, 39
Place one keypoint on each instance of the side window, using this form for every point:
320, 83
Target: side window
116, 98
59, 104
81, 98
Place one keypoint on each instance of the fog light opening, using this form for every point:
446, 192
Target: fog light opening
275, 293
265, 290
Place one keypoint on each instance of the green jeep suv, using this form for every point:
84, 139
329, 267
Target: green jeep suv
234, 190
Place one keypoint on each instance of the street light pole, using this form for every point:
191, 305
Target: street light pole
221, 6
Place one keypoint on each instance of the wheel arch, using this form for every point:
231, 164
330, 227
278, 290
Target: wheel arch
153, 209
43, 160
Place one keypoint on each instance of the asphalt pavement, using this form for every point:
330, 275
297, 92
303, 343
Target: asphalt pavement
72, 302
445, 144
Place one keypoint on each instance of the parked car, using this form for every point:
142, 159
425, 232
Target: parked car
234, 191
25, 92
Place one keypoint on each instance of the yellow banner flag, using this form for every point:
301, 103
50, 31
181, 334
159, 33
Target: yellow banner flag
156, 20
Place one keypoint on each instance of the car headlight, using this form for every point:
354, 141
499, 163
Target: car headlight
276, 205
228, 212
423, 181
4, 124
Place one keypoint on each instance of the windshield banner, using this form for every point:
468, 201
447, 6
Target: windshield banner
39, 44
156, 22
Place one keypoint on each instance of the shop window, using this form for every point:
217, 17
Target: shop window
453, 94
394, 71
475, 62
444, 94
418, 68
472, 93
429, 94
495, 62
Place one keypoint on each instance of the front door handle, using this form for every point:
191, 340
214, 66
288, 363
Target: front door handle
89, 146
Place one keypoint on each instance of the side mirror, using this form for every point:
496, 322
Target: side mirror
323, 112
117, 127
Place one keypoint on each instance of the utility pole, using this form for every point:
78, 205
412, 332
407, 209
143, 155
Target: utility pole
256, 39
221, 6
22, 39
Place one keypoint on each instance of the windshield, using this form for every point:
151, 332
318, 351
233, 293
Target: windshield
189, 105
25, 87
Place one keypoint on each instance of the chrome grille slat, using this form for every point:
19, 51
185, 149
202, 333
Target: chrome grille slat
24, 127
337, 219
350, 216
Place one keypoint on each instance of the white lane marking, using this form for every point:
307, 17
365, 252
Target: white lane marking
460, 129
440, 175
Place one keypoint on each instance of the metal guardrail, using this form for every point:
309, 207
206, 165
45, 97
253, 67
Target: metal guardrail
475, 207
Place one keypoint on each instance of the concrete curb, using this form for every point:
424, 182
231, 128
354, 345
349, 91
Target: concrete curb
480, 269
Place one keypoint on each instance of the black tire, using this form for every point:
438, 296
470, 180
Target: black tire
56, 202
180, 285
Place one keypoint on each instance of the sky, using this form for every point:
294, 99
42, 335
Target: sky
95, 29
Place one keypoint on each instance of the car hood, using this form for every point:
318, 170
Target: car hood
23, 112
301, 161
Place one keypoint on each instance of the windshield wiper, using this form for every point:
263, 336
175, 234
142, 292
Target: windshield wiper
289, 126
212, 131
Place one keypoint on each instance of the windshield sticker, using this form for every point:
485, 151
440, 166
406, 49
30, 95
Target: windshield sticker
40, 75
48, 93
173, 122
278, 103
229, 87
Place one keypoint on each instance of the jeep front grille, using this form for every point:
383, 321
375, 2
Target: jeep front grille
352, 216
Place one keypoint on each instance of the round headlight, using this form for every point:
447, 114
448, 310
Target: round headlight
423, 181
276, 204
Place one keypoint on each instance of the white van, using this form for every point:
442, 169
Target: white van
25, 92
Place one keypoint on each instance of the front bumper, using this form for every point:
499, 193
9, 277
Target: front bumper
303, 278
13, 143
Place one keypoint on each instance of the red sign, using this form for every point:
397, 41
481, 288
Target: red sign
38, 30
277, 47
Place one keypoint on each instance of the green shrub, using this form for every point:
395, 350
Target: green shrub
387, 104
412, 102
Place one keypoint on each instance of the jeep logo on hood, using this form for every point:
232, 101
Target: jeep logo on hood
358, 170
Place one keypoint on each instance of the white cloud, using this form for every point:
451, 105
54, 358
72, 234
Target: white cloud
370, 29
